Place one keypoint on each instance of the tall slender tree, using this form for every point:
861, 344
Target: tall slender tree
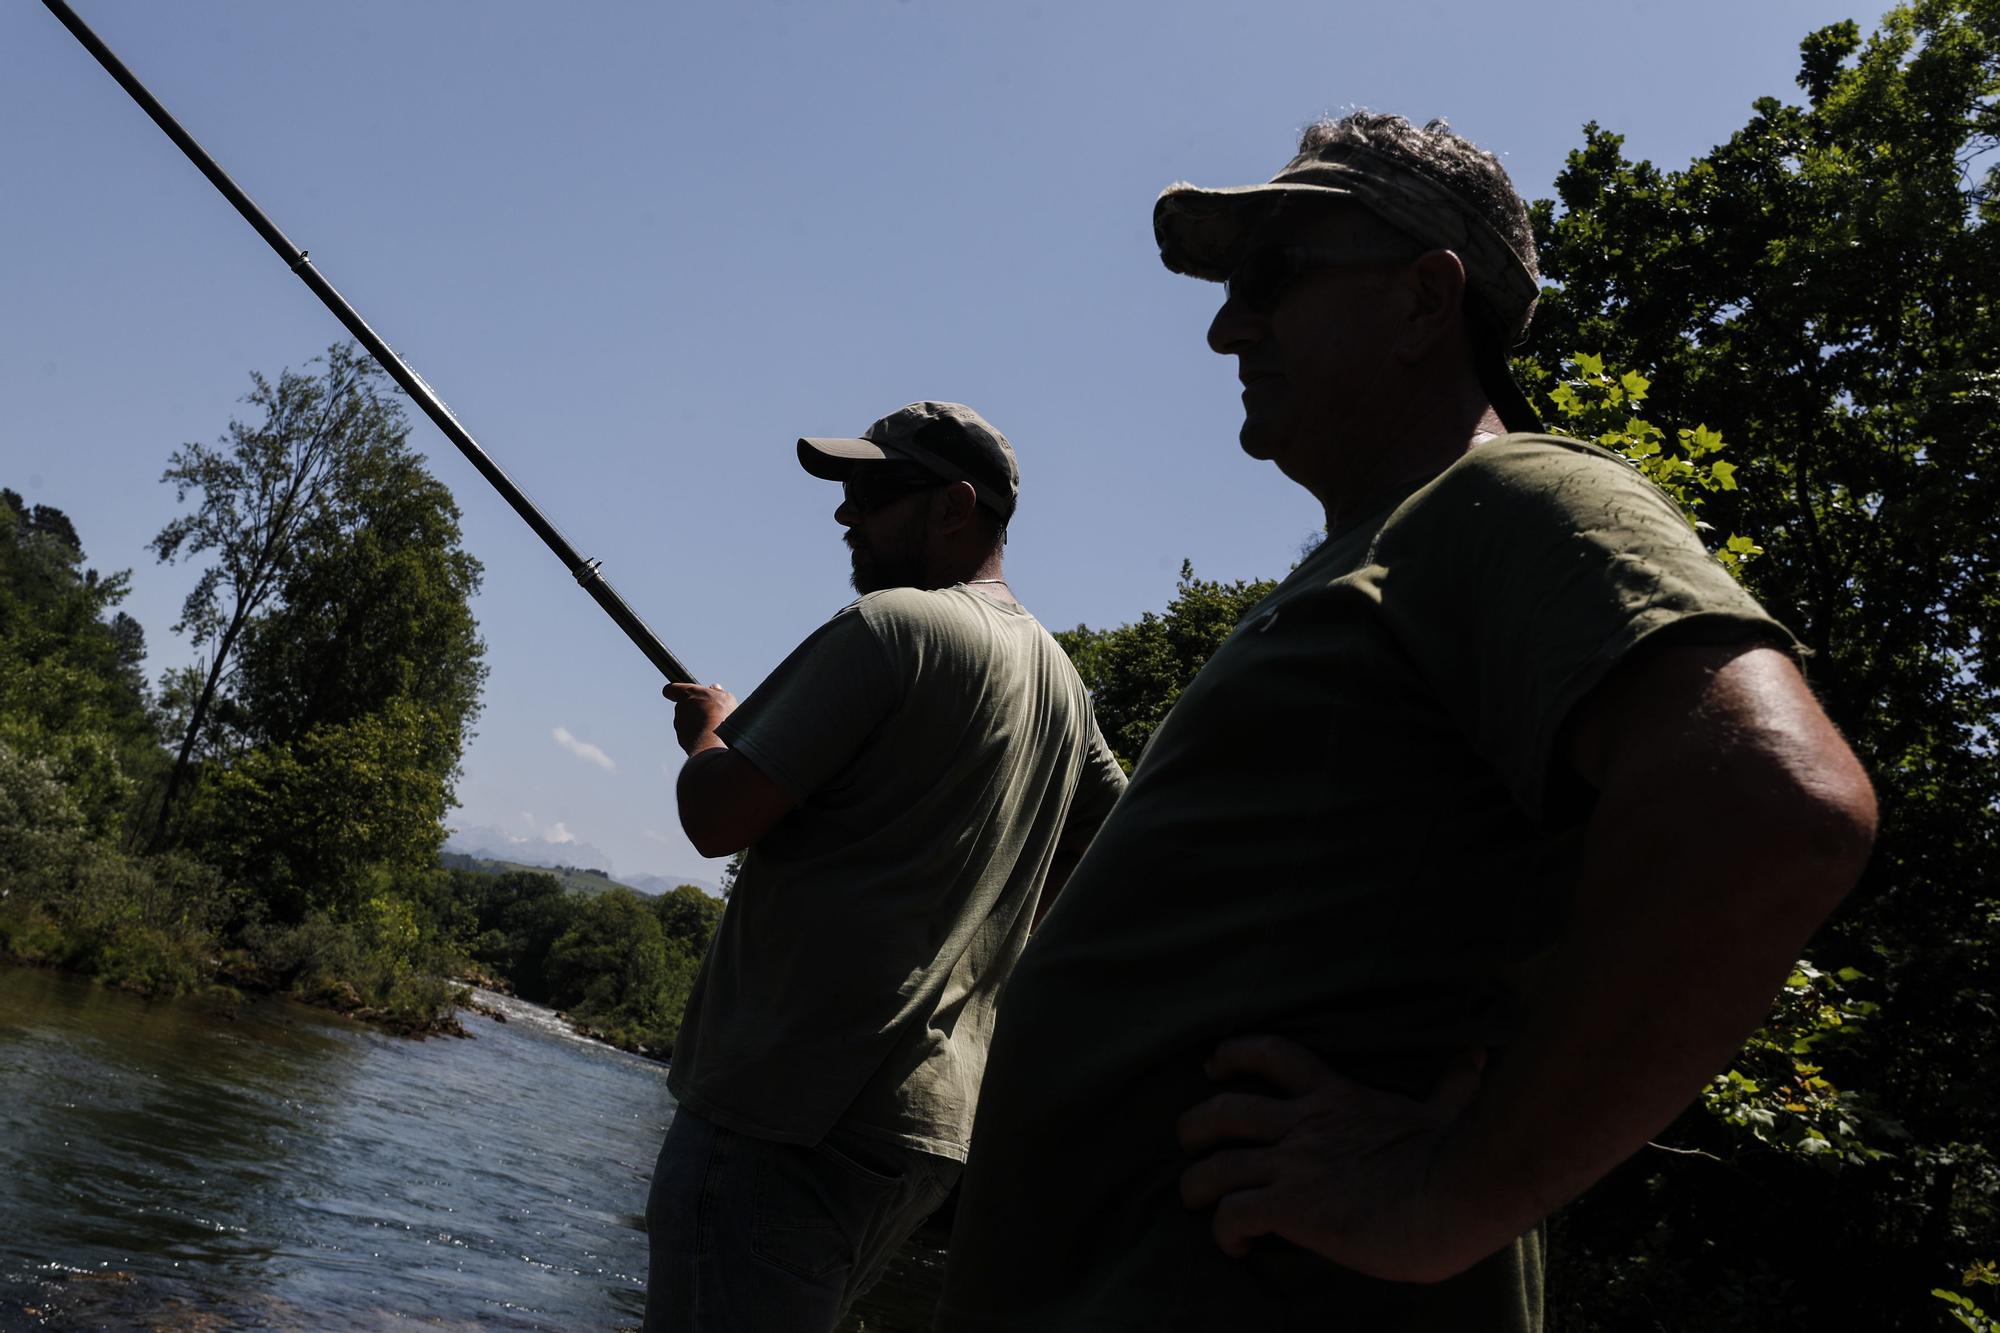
256, 492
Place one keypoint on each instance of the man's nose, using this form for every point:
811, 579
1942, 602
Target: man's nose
846, 514
1234, 327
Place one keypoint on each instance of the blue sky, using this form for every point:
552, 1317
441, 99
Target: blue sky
640, 248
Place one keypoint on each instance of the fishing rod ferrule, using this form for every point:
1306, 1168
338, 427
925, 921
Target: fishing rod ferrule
587, 571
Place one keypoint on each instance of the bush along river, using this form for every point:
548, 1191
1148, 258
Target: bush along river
165, 1165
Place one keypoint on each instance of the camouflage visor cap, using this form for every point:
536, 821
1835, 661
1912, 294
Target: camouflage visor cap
1207, 233
949, 441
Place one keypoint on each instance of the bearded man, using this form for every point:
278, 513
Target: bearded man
906, 782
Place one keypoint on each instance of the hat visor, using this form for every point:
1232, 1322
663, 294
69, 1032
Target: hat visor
835, 460
1207, 233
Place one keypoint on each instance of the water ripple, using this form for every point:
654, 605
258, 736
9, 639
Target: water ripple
162, 1167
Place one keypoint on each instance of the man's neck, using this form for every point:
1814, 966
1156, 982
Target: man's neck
989, 581
1412, 453
985, 577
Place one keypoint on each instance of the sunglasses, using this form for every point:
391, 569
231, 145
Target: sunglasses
865, 494
1265, 273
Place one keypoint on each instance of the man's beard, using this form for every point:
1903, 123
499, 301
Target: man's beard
900, 566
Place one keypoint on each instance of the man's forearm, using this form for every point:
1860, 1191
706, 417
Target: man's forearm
1677, 944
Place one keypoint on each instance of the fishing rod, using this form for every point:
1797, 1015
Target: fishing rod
587, 573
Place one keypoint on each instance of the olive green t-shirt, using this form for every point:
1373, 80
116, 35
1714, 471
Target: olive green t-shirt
1350, 831
939, 744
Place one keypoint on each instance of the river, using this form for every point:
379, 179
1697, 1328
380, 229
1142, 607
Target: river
166, 1165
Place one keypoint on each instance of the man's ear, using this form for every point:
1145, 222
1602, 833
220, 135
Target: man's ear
1435, 284
954, 507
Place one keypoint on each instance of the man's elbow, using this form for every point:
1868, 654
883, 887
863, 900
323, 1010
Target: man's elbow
1846, 825
710, 842
710, 829
1823, 827
726, 803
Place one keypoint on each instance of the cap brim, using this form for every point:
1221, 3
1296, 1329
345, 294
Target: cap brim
835, 460
1206, 233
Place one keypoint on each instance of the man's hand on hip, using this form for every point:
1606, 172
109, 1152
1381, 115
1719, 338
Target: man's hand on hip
1334, 1166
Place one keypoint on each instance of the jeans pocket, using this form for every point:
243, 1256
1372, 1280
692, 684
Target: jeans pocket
811, 1208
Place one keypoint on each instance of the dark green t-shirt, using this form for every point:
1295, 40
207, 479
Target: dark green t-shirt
1345, 833
939, 744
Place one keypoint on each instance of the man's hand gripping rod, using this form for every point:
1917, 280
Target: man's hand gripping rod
585, 571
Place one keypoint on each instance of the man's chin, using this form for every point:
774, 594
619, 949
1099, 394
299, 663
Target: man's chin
867, 578
1258, 440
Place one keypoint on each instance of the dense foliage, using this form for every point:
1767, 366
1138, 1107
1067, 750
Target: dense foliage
1135, 672
77, 753
620, 965
71, 690
1821, 289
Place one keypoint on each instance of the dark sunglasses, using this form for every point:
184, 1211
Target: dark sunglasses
1265, 273
865, 494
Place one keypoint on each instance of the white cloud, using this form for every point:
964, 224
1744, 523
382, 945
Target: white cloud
583, 750
559, 834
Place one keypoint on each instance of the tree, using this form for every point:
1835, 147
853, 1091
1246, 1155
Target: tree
71, 688
616, 970
343, 814
1135, 672
258, 490
688, 917
374, 605
518, 916
1820, 288
357, 662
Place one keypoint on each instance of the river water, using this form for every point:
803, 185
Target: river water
164, 1165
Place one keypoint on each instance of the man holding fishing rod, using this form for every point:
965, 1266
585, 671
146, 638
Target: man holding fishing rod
904, 783
1519, 808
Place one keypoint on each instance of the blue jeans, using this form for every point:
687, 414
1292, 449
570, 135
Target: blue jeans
750, 1236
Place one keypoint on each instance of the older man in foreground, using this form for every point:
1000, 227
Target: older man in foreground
1389, 950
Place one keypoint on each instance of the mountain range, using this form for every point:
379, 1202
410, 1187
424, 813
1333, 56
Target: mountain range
493, 845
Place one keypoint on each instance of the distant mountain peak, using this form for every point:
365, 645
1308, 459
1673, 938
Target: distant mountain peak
494, 845
491, 844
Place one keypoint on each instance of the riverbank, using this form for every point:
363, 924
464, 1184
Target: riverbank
318, 963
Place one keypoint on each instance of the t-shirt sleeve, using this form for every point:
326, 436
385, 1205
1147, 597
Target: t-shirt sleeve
813, 714
1525, 573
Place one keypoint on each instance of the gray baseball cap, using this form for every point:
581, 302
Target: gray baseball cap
949, 440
